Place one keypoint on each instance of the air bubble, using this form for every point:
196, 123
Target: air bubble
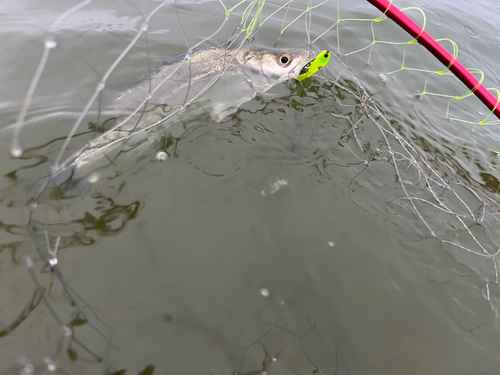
16, 152
28, 368
67, 331
331, 244
93, 178
161, 156
51, 366
144, 26
101, 86
53, 262
28, 261
264, 292
50, 43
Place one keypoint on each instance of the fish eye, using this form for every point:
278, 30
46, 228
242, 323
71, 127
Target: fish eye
284, 59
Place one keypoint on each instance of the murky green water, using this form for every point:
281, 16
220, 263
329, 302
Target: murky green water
280, 240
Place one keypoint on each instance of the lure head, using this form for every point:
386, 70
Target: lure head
314, 65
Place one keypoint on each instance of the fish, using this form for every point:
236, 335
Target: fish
261, 69
219, 78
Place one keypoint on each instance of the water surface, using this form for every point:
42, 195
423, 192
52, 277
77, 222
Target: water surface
279, 240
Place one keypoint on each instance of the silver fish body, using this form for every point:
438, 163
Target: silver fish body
262, 67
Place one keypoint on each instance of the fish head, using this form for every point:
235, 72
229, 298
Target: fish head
276, 64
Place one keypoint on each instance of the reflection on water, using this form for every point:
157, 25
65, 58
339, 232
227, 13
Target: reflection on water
218, 257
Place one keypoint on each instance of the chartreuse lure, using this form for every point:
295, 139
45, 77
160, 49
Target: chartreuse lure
313, 66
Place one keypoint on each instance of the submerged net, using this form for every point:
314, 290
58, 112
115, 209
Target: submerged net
384, 127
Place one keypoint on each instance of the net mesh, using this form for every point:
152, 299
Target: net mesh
440, 189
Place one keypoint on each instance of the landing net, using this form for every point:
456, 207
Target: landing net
411, 143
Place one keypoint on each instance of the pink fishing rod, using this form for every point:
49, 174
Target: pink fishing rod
391, 11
